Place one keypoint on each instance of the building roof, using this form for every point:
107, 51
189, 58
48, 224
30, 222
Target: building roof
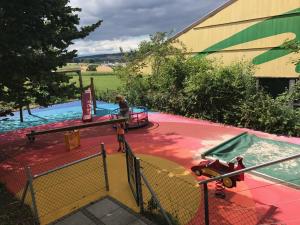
205, 17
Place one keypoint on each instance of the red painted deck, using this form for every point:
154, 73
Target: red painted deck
176, 138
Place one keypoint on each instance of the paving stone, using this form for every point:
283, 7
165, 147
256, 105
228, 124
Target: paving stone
75, 219
119, 217
102, 208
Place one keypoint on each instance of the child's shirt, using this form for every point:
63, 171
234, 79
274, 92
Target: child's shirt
120, 130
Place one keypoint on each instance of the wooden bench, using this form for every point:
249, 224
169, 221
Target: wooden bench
32, 134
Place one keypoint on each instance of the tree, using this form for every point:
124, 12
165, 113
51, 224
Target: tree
294, 47
34, 41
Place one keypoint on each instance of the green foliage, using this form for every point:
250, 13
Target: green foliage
215, 92
293, 46
10, 211
5, 108
262, 112
35, 36
107, 96
204, 88
153, 213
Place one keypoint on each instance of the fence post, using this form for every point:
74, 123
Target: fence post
24, 193
139, 184
30, 180
126, 156
206, 212
105, 166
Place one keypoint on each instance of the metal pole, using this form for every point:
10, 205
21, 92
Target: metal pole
80, 81
127, 161
156, 199
93, 95
139, 184
206, 212
105, 166
30, 180
249, 168
24, 193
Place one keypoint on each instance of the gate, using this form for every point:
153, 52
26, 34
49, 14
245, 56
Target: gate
133, 174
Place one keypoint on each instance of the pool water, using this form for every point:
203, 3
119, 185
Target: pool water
51, 114
256, 151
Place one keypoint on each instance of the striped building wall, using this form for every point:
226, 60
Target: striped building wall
252, 30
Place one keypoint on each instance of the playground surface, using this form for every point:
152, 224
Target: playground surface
171, 142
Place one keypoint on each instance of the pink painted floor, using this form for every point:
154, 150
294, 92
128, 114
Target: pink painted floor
176, 138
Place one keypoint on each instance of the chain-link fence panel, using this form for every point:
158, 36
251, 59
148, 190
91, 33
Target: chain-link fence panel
236, 209
61, 191
180, 199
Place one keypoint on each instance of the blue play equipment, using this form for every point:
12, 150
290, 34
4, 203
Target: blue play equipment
52, 114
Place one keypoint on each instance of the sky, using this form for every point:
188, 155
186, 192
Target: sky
128, 22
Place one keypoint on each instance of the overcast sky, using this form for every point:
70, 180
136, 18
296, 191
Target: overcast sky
127, 22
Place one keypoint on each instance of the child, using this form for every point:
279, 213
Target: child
124, 109
121, 136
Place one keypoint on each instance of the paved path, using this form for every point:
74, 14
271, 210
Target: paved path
104, 212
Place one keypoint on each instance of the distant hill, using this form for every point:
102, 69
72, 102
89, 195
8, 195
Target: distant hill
100, 58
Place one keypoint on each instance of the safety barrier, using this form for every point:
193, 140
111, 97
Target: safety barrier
59, 191
242, 210
162, 197
179, 198
138, 116
133, 173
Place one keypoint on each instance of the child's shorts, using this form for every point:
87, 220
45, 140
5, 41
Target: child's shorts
120, 138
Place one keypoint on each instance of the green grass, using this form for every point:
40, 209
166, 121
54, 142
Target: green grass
102, 81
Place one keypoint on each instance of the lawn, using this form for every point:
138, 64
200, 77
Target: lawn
102, 81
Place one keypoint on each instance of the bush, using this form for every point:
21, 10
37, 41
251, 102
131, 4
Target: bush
215, 92
262, 112
10, 211
107, 96
204, 88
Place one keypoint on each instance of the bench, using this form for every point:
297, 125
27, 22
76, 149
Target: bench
32, 134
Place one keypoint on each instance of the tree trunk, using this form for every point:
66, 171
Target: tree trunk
28, 109
21, 115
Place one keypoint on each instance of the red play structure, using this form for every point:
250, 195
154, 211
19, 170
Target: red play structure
86, 103
214, 168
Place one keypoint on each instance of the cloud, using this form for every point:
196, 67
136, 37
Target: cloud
136, 18
92, 47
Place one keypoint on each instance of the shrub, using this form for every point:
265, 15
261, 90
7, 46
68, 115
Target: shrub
262, 112
215, 92
204, 88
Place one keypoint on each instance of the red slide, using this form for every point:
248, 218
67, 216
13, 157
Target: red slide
86, 103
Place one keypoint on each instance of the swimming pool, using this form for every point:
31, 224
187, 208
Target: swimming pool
51, 114
256, 151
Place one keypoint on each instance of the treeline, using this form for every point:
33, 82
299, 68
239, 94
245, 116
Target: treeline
101, 58
204, 88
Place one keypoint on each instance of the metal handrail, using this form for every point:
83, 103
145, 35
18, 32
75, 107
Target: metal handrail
67, 165
249, 169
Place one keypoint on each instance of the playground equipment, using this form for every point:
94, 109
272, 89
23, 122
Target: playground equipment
86, 104
213, 168
32, 134
138, 116
72, 139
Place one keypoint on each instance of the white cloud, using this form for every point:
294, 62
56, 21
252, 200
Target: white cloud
92, 47
135, 19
